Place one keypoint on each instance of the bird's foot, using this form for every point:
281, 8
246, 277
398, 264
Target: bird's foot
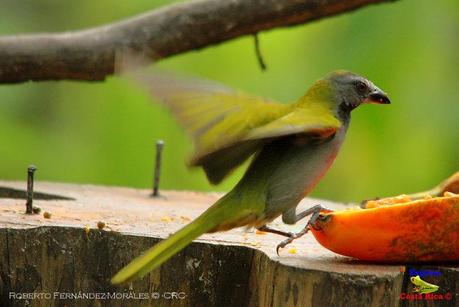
275, 231
316, 210
293, 237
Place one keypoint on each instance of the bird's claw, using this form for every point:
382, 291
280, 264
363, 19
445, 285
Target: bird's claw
293, 237
285, 243
316, 210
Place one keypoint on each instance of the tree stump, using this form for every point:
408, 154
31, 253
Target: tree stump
92, 232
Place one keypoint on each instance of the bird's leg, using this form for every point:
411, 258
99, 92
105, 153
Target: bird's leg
276, 231
315, 211
290, 217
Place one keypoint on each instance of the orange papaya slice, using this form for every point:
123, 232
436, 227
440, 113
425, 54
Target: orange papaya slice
425, 230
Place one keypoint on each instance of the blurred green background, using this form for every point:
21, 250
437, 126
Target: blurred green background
104, 133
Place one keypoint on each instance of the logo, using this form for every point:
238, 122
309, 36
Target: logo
423, 290
421, 286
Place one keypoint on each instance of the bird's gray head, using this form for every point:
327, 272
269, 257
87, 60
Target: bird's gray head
352, 90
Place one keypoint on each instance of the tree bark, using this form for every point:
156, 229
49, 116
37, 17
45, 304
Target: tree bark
91, 54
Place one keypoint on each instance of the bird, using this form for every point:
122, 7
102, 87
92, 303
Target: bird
291, 147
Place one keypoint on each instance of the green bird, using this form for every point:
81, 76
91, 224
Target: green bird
293, 145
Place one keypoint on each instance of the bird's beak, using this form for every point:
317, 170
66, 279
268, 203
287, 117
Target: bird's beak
377, 96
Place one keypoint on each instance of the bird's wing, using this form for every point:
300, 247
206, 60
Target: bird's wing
227, 126
313, 120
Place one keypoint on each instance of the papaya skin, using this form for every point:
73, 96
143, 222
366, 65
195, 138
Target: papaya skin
425, 230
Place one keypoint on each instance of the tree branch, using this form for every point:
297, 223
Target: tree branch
90, 54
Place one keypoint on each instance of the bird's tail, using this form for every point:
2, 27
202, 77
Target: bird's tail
161, 252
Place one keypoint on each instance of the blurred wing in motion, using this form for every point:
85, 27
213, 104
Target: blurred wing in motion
228, 126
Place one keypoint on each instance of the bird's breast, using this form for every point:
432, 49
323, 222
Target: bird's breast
299, 168
317, 161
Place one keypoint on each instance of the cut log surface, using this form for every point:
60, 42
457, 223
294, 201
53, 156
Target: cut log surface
66, 260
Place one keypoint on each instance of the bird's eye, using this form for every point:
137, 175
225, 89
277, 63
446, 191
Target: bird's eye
361, 86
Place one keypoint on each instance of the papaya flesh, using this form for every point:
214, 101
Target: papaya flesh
425, 230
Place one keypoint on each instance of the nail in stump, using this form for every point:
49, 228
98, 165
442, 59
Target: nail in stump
29, 205
159, 150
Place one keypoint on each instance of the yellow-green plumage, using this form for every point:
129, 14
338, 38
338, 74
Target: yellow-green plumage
292, 145
232, 125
